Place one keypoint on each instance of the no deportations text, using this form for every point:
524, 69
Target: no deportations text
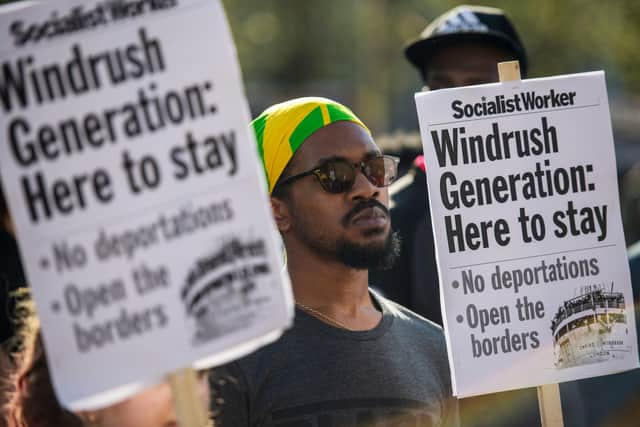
167, 226
544, 272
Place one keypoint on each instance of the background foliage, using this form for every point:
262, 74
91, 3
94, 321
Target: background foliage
352, 50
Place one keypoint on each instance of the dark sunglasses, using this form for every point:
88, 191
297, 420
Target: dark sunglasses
339, 175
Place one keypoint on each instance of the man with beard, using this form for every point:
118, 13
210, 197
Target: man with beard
352, 356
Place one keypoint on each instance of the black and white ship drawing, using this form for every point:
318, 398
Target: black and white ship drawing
590, 328
220, 292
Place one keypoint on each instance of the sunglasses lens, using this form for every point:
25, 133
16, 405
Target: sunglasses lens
336, 176
381, 171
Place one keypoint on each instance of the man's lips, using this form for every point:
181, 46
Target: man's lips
370, 213
370, 217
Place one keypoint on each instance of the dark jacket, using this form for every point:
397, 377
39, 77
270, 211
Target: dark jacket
413, 281
11, 277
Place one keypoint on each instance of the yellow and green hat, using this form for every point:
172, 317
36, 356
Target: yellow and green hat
282, 128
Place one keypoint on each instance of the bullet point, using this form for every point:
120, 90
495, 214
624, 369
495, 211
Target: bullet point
44, 263
460, 319
455, 284
55, 306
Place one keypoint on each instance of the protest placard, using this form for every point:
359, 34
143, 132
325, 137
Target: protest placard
534, 278
133, 180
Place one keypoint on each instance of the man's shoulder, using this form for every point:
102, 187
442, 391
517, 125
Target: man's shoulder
405, 318
422, 340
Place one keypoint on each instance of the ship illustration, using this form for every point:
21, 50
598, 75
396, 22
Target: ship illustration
590, 328
220, 290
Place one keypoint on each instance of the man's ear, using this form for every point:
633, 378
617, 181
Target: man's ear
281, 214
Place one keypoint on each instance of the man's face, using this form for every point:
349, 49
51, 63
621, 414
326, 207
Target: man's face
464, 64
352, 227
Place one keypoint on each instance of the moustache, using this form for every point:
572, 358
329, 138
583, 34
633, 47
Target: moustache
372, 203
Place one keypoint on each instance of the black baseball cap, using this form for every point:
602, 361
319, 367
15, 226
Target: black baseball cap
467, 23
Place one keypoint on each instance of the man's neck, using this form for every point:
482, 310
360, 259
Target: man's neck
332, 288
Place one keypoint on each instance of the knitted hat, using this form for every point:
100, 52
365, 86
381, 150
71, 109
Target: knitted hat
282, 128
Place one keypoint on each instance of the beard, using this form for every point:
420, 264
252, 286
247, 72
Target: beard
361, 256
364, 257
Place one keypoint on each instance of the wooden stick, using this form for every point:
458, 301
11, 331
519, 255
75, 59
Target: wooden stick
548, 394
550, 405
509, 71
186, 397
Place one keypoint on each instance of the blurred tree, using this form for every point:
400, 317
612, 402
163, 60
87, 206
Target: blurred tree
352, 49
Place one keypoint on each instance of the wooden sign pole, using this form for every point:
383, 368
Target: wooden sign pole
509, 71
550, 405
186, 397
548, 394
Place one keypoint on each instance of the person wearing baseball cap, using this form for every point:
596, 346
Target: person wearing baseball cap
462, 47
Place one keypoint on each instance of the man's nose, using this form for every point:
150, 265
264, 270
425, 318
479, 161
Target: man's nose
363, 188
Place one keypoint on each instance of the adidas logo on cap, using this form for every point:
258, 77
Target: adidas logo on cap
463, 21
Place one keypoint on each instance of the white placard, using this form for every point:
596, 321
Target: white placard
534, 277
141, 210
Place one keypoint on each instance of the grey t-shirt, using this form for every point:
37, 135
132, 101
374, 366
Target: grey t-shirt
317, 375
